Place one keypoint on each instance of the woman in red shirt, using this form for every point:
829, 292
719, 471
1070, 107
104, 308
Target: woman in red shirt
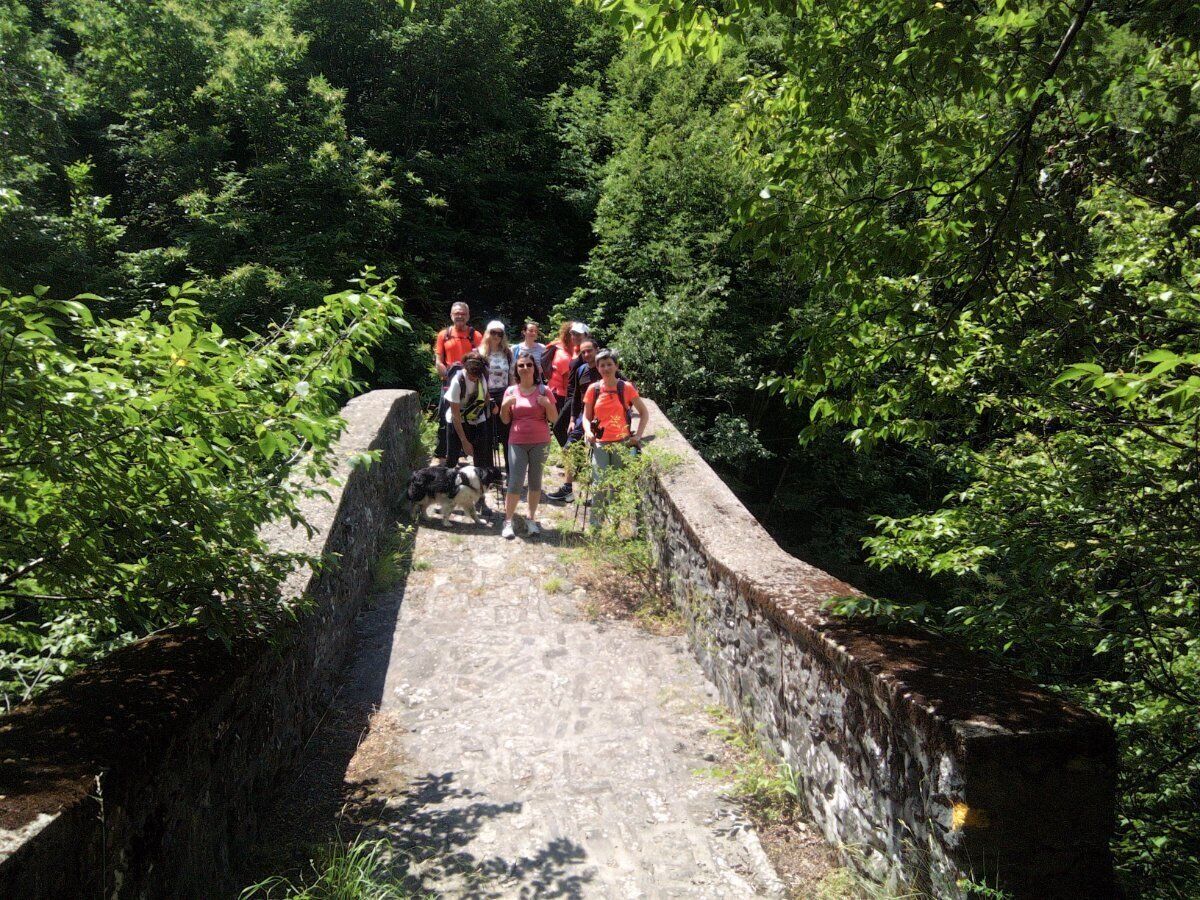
556, 365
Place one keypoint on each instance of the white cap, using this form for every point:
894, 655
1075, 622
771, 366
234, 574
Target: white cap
580, 328
495, 325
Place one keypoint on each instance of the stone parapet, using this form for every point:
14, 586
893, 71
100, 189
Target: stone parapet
145, 774
922, 761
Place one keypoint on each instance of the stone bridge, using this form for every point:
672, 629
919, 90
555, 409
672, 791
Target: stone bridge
473, 712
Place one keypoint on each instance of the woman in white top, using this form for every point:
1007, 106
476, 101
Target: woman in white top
500, 374
530, 345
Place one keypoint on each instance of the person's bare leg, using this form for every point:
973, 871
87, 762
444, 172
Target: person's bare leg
510, 506
535, 498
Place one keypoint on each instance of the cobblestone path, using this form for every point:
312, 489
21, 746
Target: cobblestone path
510, 747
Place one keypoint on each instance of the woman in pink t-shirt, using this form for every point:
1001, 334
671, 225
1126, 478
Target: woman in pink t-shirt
529, 411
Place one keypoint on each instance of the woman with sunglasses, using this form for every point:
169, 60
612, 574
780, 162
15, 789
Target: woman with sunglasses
529, 410
499, 358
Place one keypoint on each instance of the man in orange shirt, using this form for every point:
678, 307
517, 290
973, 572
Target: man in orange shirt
457, 341
452, 345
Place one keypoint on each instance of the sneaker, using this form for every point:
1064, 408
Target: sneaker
564, 494
507, 531
532, 528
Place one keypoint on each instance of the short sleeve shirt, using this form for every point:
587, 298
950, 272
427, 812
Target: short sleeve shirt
537, 351
499, 373
608, 412
472, 397
452, 349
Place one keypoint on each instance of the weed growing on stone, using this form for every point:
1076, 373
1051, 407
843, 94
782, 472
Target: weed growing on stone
395, 558
592, 611
427, 438
421, 565
554, 584
848, 883
768, 788
356, 871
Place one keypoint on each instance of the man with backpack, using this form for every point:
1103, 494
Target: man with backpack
466, 415
452, 345
582, 375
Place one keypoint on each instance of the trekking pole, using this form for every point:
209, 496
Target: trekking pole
587, 490
497, 459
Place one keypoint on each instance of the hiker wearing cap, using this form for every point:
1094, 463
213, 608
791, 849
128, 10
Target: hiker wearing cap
450, 347
607, 406
530, 410
499, 358
467, 429
530, 346
582, 374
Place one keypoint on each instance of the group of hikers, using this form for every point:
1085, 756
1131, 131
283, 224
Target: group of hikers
506, 401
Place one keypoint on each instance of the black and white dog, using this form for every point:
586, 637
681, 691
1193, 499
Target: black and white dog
459, 488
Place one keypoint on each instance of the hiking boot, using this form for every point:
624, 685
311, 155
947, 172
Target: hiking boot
532, 528
564, 494
507, 531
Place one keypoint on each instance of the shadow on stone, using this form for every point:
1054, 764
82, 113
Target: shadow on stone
433, 819
349, 787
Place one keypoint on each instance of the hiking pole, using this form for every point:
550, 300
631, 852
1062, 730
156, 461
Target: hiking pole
587, 490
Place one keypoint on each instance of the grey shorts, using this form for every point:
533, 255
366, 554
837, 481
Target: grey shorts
524, 458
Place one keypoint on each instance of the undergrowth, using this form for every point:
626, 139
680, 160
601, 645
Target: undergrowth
616, 557
395, 558
355, 871
767, 788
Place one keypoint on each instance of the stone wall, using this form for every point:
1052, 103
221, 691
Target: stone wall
918, 759
145, 775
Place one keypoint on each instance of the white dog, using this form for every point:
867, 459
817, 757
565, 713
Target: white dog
451, 489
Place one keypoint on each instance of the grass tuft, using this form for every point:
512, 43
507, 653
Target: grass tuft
357, 871
395, 559
768, 788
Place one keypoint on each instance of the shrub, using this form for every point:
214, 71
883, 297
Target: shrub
139, 458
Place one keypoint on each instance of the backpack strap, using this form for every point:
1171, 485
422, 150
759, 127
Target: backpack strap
621, 398
475, 400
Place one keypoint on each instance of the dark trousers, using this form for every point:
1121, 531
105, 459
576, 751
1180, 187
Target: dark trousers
563, 425
500, 432
480, 437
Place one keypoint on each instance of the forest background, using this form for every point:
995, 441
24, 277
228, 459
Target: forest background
920, 279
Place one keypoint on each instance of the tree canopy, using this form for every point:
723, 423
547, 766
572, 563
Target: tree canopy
936, 261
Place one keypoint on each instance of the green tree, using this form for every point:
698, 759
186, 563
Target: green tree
994, 210
140, 456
